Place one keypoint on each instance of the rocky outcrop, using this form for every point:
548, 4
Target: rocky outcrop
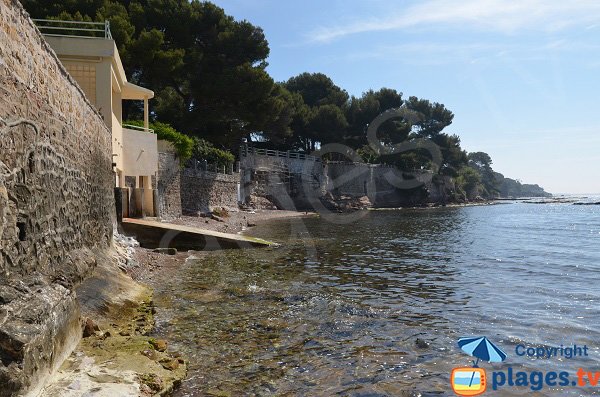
292, 181
56, 203
117, 356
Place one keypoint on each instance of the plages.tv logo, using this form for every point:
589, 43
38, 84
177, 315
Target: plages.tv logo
471, 381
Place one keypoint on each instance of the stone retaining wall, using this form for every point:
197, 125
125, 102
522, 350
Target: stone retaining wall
169, 182
293, 183
56, 202
203, 191
385, 186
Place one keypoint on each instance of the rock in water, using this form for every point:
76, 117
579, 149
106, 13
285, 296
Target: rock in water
422, 343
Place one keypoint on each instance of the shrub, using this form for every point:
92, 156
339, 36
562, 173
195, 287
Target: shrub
204, 150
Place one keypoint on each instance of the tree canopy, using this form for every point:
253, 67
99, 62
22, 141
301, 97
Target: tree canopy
207, 69
209, 75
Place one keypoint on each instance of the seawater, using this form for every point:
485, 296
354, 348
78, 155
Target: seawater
338, 308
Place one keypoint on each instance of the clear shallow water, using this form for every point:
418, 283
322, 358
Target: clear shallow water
337, 309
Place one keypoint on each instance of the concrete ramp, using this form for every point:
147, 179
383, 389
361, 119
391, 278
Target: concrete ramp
154, 234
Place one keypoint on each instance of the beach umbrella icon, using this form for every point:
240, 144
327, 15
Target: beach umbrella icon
482, 349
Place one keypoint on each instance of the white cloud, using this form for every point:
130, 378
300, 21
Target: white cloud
495, 15
439, 53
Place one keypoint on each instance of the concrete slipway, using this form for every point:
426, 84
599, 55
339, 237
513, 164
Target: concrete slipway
154, 234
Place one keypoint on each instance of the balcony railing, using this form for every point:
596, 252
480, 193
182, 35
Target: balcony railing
194, 165
52, 27
137, 128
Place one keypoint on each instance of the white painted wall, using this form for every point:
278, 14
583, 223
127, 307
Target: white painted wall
140, 154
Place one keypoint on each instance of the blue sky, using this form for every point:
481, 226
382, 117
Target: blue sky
522, 77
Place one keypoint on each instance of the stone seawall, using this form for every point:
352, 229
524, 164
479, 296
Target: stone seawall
169, 182
386, 186
203, 191
56, 202
188, 190
295, 182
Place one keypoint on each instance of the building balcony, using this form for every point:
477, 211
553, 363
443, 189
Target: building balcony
58, 28
140, 153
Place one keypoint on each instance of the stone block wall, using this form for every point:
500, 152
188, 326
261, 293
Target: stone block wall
169, 182
293, 165
203, 191
56, 202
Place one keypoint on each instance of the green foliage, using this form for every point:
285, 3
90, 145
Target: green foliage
204, 150
208, 71
514, 189
317, 89
328, 123
368, 155
360, 112
319, 118
468, 182
183, 144
435, 116
482, 162
453, 156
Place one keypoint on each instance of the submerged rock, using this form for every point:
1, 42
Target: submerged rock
421, 343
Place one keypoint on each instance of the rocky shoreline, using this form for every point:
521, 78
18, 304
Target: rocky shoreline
118, 355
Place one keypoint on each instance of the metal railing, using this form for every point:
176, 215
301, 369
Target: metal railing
205, 166
137, 128
53, 27
246, 150
380, 165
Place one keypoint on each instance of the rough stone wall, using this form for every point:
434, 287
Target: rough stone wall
385, 186
56, 202
169, 183
203, 191
292, 165
293, 183
289, 182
